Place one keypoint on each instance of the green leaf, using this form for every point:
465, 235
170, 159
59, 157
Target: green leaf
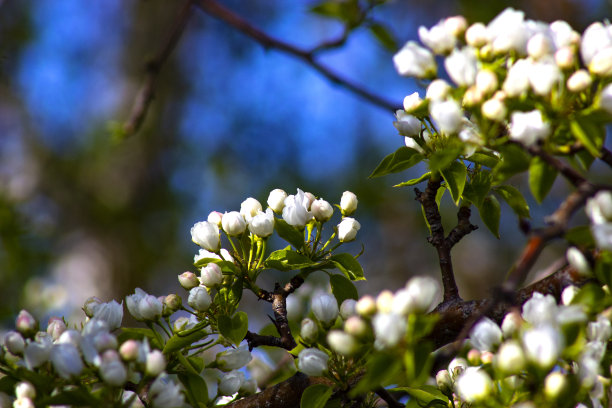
402, 159
514, 199
417, 362
603, 268
478, 187
348, 265
195, 388
381, 369
591, 296
412, 182
182, 340
346, 11
384, 37
315, 396
485, 159
580, 236
590, 134
342, 288
289, 233
75, 397
287, 260
541, 178
514, 160
443, 158
234, 328
585, 159
426, 395
7, 384
455, 176
490, 213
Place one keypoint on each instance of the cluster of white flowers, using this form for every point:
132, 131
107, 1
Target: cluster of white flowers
599, 210
493, 65
71, 353
381, 320
532, 342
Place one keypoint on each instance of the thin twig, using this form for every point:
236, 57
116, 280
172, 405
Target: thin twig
224, 14
388, 398
606, 156
146, 93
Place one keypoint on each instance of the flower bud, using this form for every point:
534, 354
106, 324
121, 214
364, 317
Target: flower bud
181, 324
25, 389
321, 210
457, 366
444, 381
276, 200
155, 364
517, 80
601, 64
248, 387
366, 306
348, 203
437, 38
67, 360
211, 275
494, 109
56, 327
511, 324
231, 383
423, 292
486, 81
172, 303
389, 329
112, 370
568, 294
447, 116
341, 342
415, 61
250, 208
26, 324
233, 359
578, 261
477, 35
455, 25
356, 326
233, 223
90, 306
539, 46
528, 127
23, 403
325, 308
188, 280
564, 57
347, 229
384, 302
473, 357
309, 331
486, 357
215, 217
312, 361
599, 330
199, 299
150, 307
461, 66
111, 313
70, 336
555, 385
407, 125
485, 335
296, 212
437, 90
412, 102
472, 97
348, 308
309, 198
474, 385
262, 224
206, 235
579, 81
130, 350
542, 346
510, 358
105, 341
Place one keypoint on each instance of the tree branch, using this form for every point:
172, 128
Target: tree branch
146, 94
224, 14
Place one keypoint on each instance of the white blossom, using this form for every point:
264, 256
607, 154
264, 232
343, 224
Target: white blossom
25, 389
110, 312
309, 330
422, 293
112, 370
415, 61
312, 361
321, 210
578, 261
474, 385
233, 359
595, 39
599, 330
508, 32
341, 342
446, 115
510, 358
262, 224
165, 393
485, 335
555, 384
199, 298
412, 101
14, 342
325, 308
215, 217
206, 235
494, 109
517, 79
233, 223
250, 208
347, 229
528, 127
407, 125
461, 66
276, 200
66, 360
210, 276
477, 35
25, 323
437, 90
155, 363
389, 329
486, 81
348, 308
296, 211
543, 75
438, 38
542, 345
348, 203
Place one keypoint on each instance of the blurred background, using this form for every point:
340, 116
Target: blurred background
83, 212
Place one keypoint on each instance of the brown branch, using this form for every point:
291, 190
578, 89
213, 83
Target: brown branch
226, 15
606, 156
146, 93
567, 171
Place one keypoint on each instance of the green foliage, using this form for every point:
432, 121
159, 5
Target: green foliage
402, 159
490, 213
316, 396
541, 178
455, 175
348, 265
342, 288
234, 328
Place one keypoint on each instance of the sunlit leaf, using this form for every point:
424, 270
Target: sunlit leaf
541, 178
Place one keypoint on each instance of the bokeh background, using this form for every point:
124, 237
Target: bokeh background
83, 213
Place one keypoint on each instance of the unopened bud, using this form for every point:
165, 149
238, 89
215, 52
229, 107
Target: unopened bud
579, 81
129, 350
309, 330
366, 306
412, 102
90, 306
565, 58
348, 308
188, 280
473, 357
215, 217
578, 261
155, 364
211, 275
26, 324
486, 81
555, 385
444, 381
494, 109
455, 25
472, 96
476, 35
56, 327
348, 203
341, 342
384, 301
172, 303
14, 342
356, 326
510, 358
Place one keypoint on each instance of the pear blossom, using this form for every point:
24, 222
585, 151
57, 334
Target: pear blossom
25, 389
540, 309
356, 326
312, 361
517, 80
412, 101
321, 210
411, 143
348, 203
129, 350
296, 210
415, 61
446, 115
543, 75
150, 307
528, 127
233, 359
110, 312
155, 363
422, 293
347, 229
325, 308
38, 352
262, 224
210, 275
599, 330
188, 280
206, 235
199, 299
407, 125
595, 39
233, 223
486, 81
366, 306
56, 327
215, 217
26, 324
508, 32
461, 66
510, 358
565, 57
250, 208
474, 385
389, 329
555, 384
437, 90
348, 308
276, 200
485, 335
309, 330
438, 38
578, 261
540, 45
477, 35
542, 345
342, 342
66, 360
494, 109
165, 393
90, 305
579, 81
568, 294
112, 370
14, 342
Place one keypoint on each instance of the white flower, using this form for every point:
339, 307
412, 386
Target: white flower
562, 34
348, 308
457, 366
150, 307
276, 200
132, 398
233, 223
215, 217
66, 360
210, 276
296, 211
461, 66
517, 80
250, 208
38, 352
486, 81
325, 308
555, 384
415, 61
25, 323
348, 203
110, 312
578, 261
456, 25
438, 38
321, 210
90, 305
262, 224
422, 293
206, 235
165, 393
309, 330
543, 75
112, 370
389, 329
155, 363
199, 298
565, 57
528, 127
485, 335
540, 45
130, 350
508, 32
595, 39
412, 101
579, 81
600, 330
56, 327
248, 387
233, 359
347, 229
542, 345
540, 309
312, 361
25, 389
511, 324
411, 143
444, 381
341, 342
366, 306
570, 315
356, 326
22, 403
474, 385
494, 109
510, 358
14, 342
188, 280
447, 115
384, 302
407, 125
437, 90
477, 35
568, 294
